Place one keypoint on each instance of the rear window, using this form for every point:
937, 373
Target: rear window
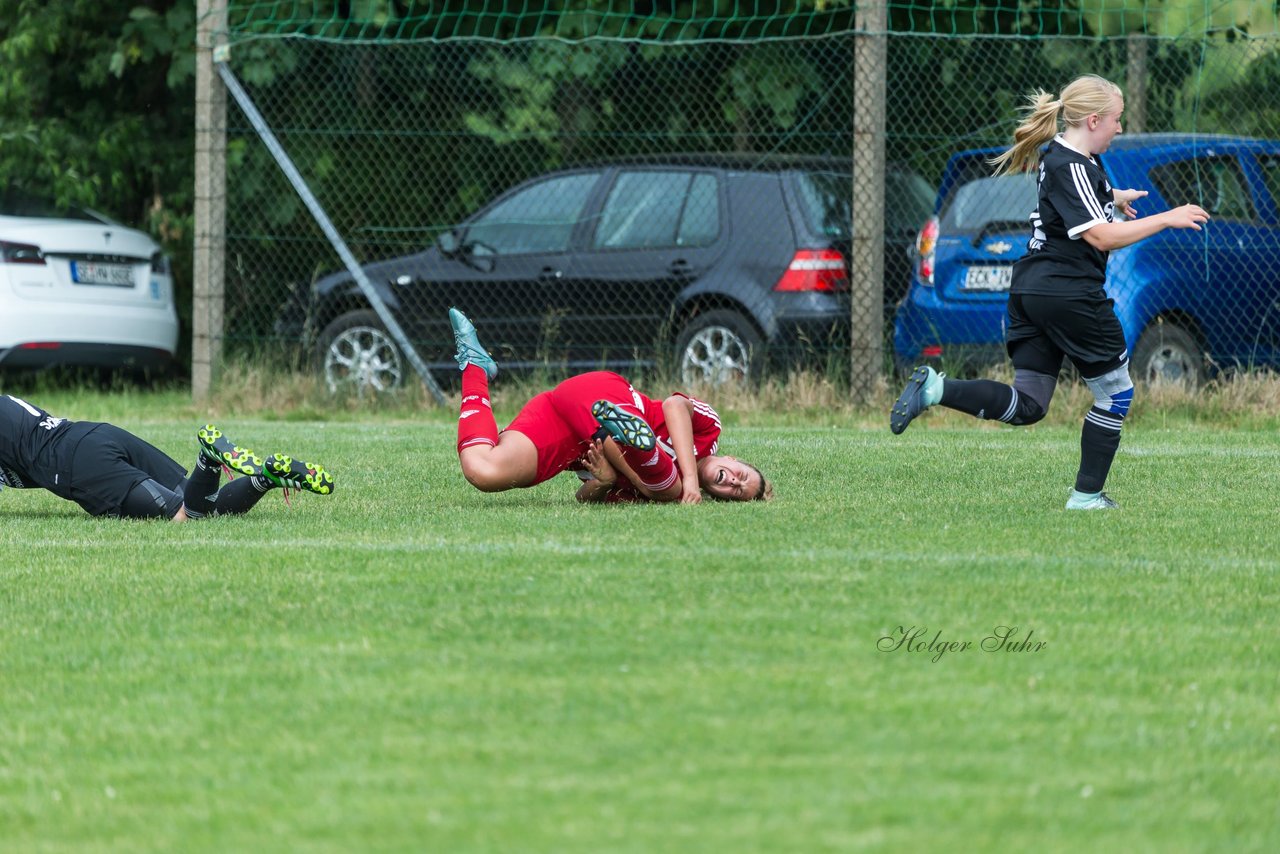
17, 203
998, 203
826, 198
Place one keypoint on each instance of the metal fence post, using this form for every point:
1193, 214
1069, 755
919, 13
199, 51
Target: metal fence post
209, 246
867, 261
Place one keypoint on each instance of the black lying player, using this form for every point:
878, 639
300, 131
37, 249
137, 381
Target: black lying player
110, 472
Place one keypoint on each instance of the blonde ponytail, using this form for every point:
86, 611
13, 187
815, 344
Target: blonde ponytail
1083, 97
1040, 126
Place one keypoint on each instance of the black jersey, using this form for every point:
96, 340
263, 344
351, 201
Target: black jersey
29, 438
36, 448
1074, 196
93, 464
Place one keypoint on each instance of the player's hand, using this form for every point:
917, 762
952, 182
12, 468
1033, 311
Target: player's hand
597, 465
1187, 216
690, 495
1124, 201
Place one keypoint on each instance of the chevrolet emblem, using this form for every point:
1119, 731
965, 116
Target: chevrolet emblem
998, 247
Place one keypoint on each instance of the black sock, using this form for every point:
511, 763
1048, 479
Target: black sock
986, 399
200, 487
1099, 439
240, 495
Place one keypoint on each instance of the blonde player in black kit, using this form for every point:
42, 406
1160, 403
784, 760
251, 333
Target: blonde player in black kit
1057, 304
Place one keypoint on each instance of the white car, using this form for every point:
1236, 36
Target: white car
79, 289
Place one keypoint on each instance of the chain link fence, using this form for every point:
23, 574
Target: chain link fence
687, 206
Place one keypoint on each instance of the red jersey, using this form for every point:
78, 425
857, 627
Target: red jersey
560, 424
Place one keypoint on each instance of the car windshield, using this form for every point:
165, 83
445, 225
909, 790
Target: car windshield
828, 204
1005, 200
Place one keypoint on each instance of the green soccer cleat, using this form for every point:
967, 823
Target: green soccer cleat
288, 473
923, 390
469, 350
216, 447
625, 428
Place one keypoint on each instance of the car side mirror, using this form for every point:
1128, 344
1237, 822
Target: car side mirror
482, 256
448, 243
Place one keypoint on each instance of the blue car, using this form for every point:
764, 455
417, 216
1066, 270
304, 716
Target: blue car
1190, 302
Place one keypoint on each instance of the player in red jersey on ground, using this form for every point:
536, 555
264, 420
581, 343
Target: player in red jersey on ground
629, 446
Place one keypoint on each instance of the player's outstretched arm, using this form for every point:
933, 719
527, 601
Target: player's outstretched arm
1106, 236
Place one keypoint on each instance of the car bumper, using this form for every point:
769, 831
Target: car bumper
808, 320
49, 354
97, 336
928, 328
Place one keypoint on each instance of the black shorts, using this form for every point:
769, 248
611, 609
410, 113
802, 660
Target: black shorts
1085, 329
109, 462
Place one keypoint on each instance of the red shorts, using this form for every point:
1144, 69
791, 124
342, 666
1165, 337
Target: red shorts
560, 424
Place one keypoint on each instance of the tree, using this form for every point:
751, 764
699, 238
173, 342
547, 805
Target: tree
96, 110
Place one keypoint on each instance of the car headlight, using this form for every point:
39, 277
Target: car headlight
160, 264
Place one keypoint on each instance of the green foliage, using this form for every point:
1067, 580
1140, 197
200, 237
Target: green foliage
96, 110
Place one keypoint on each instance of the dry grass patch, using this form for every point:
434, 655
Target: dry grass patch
808, 397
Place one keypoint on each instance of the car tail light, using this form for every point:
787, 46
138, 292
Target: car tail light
932, 351
926, 243
20, 253
160, 264
40, 345
815, 270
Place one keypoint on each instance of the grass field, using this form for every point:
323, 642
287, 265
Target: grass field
413, 665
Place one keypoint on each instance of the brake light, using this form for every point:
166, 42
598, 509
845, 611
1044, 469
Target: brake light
926, 243
815, 270
20, 253
931, 351
40, 345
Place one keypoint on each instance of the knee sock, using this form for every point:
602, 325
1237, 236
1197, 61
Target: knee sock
202, 497
655, 469
993, 401
240, 495
1100, 436
1099, 439
476, 424
200, 490
986, 399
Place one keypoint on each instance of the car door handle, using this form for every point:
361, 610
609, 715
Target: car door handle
681, 269
549, 274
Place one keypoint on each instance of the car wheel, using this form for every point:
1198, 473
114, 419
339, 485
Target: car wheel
356, 353
716, 348
1167, 353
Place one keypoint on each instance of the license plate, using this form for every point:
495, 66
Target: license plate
988, 278
91, 273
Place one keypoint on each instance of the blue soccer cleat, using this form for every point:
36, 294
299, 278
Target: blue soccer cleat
923, 390
1091, 501
469, 350
625, 428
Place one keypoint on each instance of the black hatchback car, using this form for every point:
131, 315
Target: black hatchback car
705, 263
